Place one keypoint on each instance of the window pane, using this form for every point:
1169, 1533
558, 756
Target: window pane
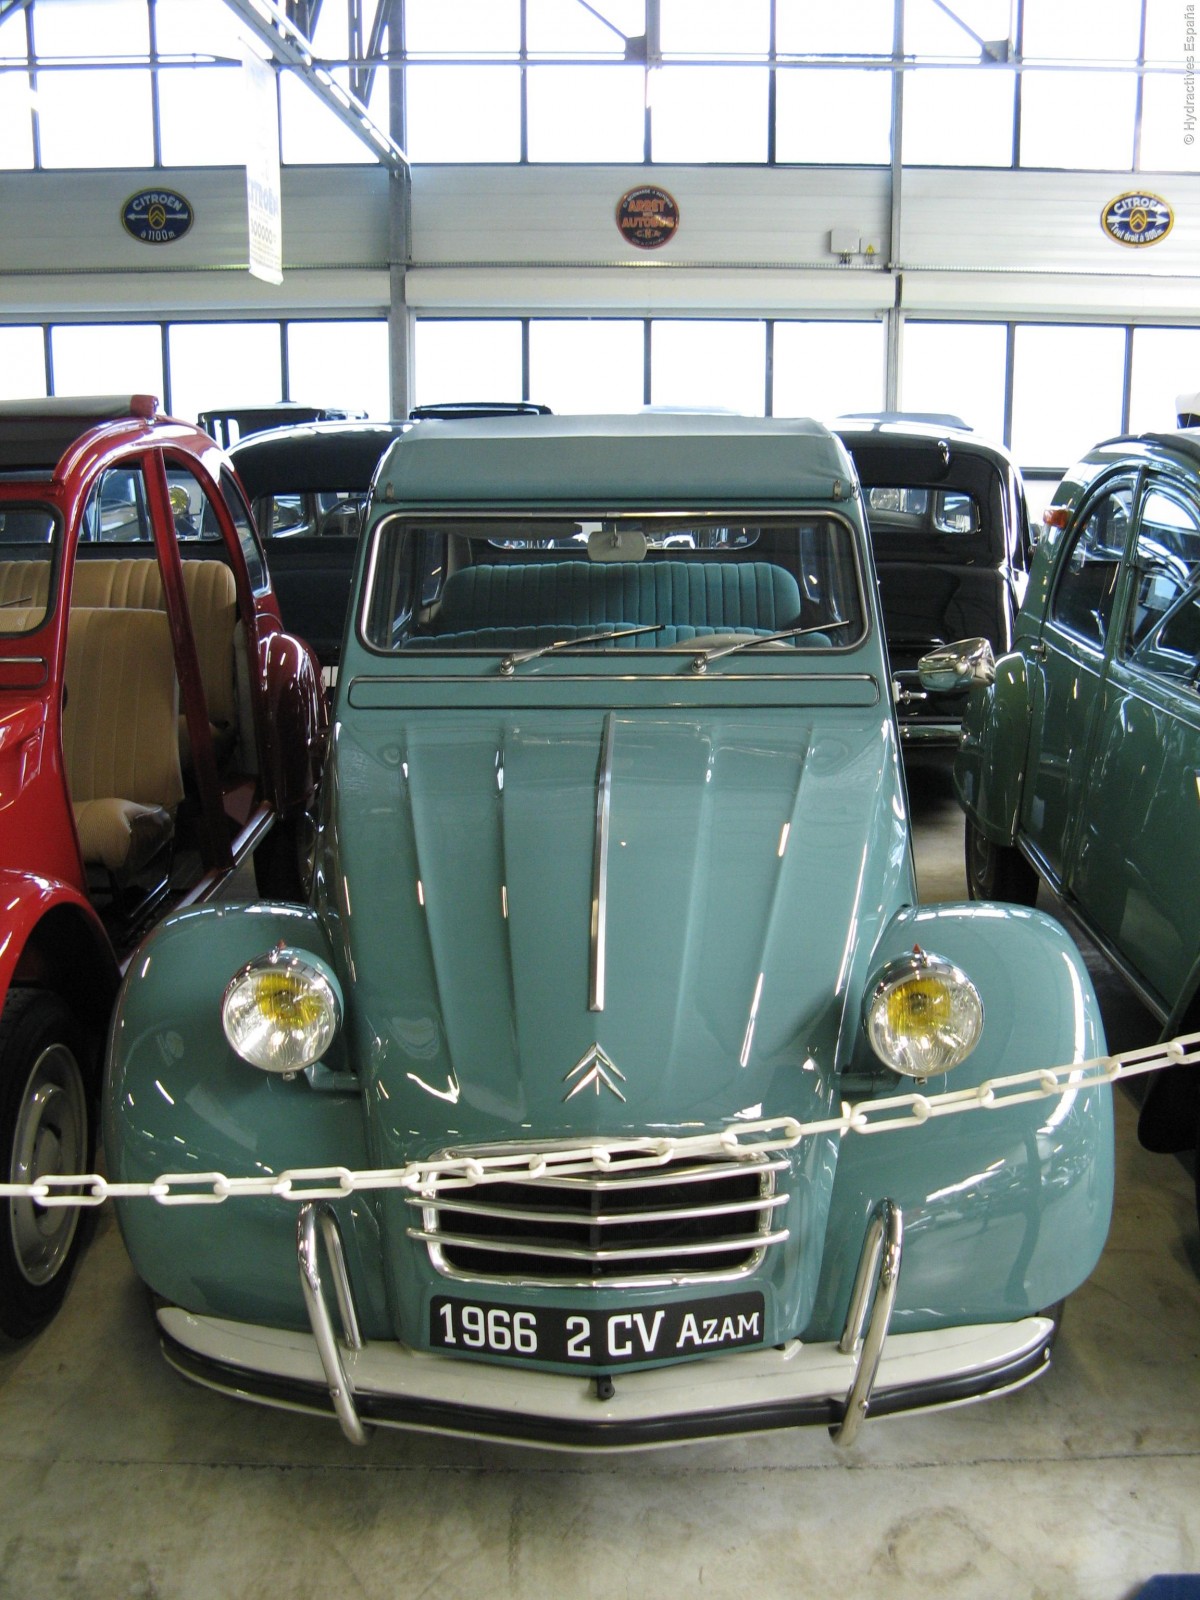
312, 133
1070, 33
16, 107
958, 118
22, 364
90, 28
824, 369
709, 114
207, 27
586, 113
469, 27
715, 364
464, 113
552, 28
121, 359
199, 124
342, 364
586, 366
1067, 388
715, 28
467, 361
1078, 119
1168, 121
930, 31
220, 364
1165, 30
833, 116
958, 368
96, 118
862, 29
1166, 364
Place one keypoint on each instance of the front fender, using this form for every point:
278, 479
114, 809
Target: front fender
989, 767
177, 1099
51, 936
1006, 1210
298, 721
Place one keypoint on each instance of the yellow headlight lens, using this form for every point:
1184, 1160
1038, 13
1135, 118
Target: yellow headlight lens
923, 1016
281, 1012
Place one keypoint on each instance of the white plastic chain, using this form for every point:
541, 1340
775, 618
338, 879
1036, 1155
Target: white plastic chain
746, 1141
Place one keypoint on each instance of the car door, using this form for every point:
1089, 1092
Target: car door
1138, 839
1066, 665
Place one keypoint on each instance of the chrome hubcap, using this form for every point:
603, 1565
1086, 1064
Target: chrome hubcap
50, 1137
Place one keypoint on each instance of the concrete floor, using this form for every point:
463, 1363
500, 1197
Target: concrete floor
119, 1481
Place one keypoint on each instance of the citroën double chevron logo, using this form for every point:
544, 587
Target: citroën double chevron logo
598, 1071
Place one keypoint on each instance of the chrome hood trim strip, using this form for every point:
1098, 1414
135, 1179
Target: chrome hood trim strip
599, 928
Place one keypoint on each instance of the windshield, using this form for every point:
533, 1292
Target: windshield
28, 547
632, 582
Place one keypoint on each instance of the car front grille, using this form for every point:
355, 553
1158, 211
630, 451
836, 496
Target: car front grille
695, 1220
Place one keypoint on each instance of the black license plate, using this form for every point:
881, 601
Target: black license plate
602, 1339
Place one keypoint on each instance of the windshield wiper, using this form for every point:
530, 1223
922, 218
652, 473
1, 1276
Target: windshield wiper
700, 660
519, 657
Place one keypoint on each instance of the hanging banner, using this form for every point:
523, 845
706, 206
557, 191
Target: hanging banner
263, 205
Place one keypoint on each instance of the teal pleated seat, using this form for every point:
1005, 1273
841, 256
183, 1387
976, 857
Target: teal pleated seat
753, 595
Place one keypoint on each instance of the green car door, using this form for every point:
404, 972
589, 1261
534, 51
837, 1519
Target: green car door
1067, 667
1137, 843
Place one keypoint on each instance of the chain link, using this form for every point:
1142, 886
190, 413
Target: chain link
746, 1141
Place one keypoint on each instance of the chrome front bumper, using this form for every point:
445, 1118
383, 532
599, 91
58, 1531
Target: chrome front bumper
836, 1385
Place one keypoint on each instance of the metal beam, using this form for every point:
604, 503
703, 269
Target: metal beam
292, 49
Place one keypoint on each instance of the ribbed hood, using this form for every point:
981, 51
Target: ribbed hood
732, 935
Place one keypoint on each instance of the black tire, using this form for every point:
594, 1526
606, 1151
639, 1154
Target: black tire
46, 1126
998, 872
283, 862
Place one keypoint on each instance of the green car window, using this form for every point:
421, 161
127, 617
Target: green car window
643, 581
1166, 561
1083, 598
1172, 648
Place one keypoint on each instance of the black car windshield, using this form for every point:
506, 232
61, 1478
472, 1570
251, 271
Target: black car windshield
629, 582
29, 540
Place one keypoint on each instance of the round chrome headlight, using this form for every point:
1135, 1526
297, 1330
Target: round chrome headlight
282, 1010
923, 1015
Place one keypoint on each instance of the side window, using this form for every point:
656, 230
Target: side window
1087, 580
256, 567
1166, 562
192, 511
117, 511
282, 516
29, 541
1172, 647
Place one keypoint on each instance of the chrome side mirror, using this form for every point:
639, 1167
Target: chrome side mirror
957, 666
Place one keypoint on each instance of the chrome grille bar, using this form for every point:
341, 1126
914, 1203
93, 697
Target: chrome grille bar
706, 1247
712, 1218
607, 1219
645, 1178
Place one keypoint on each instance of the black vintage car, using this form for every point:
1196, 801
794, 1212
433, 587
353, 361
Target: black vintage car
950, 532
307, 487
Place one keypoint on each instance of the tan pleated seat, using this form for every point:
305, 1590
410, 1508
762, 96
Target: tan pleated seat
120, 742
212, 603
